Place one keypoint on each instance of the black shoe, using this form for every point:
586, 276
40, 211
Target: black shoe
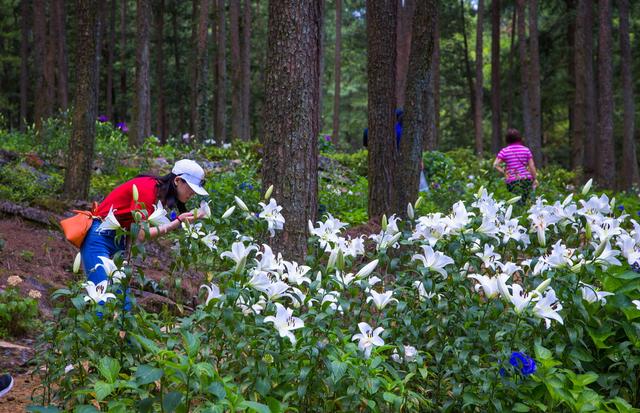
6, 383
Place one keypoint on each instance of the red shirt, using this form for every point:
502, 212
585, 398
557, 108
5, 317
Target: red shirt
121, 199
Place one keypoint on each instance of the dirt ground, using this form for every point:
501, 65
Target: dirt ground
44, 259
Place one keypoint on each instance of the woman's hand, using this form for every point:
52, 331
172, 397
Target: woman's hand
186, 217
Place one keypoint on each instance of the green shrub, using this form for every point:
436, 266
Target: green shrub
18, 314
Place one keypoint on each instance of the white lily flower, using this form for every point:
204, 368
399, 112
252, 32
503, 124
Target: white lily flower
298, 298
367, 269
210, 240
296, 273
239, 254
271, 214
260, 281
489, 284
368, 338
274, 290
489, 257
380, 300
344, 279
518, 297
285, 322
97, 292
606, 256
110, 222
158, 216
111, 269
213, 292
76, 263
637, 304
204, 211
591, 295
433, 260
410, 353
193, 230
256, 308
547, 307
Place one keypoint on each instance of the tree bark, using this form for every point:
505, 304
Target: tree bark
43, 82
178, 67
291, 115
236, 69
434, 137
405, 12
221, 89
81, 143
245, 55
630, 174
496, 109
577, 150
162, 112
417, 116
467, 64
578, 138
123, 104
25, 24
512, 73
58, 14
585, 10
99, 43
201, 126
535, 139
337, 74
142, 103
111, 44
524, 72
477, 119
606, 153
381, 68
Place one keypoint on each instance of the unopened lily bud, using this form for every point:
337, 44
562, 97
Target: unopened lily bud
241, 204
479, 193
333, 258
137, 216
367, 269
267, 194
340, 259
577, 267
76, 263
543, 285
418, 202
395, 238
601, 247
587, 186
384, 222
228, 212
588, 230
514, 200
410, 212
134, 190
542, 237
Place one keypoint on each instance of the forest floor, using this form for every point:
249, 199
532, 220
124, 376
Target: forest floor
43, 259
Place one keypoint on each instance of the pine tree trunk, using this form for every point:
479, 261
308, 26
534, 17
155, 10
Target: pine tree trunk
578, 125
162, 112
606, 154
467, 64
511, 79
535, 139
221, 89
111, 44
25, 24
58, 15
585, 9
381, 39
99, 43
291, 115
576, 145
43, 83
201, 128
142, 103
81, 143
477, 119
245, 55
192, 64
417, 107
524, 72
178, 67
123, 104
337, 74
629, 158
496, 109
236, 69
432, 142
403, 48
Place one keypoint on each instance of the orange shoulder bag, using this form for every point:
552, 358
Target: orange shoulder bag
75, 228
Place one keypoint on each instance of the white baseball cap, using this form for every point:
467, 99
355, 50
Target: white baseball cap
192, 174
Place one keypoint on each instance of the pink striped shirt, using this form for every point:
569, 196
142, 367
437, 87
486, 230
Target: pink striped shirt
516, 158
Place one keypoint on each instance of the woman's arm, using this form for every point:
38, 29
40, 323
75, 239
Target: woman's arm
155, 232
531, 166
498, 165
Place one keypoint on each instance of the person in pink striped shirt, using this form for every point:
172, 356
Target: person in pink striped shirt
515, 162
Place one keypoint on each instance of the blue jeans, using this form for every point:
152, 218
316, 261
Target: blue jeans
98, 244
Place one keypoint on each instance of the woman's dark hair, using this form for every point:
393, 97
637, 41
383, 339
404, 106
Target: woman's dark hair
167, 192
513, 136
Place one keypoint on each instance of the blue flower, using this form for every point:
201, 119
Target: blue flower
524, 363
103, 118
621, 207
173, 215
